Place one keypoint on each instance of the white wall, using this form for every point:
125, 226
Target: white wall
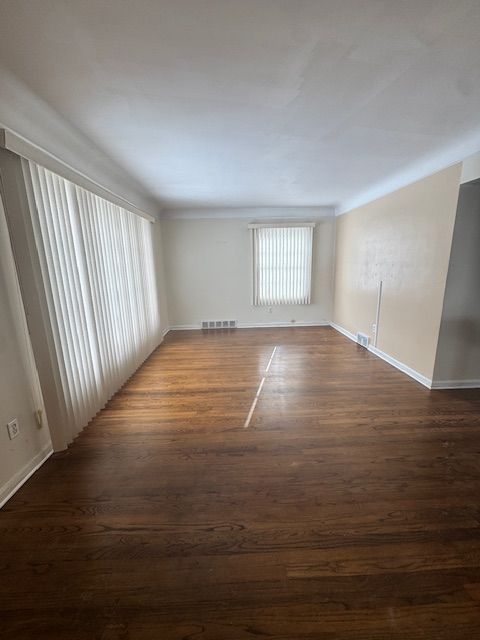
470, 169
208, 265
458, 353
160, 276
20, 394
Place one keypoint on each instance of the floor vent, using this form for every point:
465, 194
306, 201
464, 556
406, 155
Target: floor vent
362, 339
219, 324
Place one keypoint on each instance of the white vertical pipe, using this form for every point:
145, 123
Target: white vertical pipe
377, 316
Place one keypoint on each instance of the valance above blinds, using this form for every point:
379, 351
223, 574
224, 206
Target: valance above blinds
33, 153
98, 272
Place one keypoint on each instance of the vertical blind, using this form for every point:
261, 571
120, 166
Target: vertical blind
282, 268
98, 272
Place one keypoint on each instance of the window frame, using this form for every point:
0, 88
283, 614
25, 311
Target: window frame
253, 227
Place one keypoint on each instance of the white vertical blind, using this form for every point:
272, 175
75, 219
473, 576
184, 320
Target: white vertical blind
98, 272
282, 264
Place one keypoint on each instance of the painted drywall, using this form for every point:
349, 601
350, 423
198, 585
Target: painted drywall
471, 168
158, 253
257, 102
404, 240
20, 394
28, 115
458, 354
209, 273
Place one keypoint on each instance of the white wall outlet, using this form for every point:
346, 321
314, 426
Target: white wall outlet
13, 429
374, 329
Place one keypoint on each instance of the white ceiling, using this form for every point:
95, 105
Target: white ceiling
238, 103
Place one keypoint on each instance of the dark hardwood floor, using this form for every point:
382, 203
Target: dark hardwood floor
348, 509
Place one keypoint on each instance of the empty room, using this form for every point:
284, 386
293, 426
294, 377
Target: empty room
240, 319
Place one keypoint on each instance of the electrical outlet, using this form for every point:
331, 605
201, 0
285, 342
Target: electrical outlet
13, 429
374, 329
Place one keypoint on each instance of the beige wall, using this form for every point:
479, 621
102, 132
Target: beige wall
20, 392
209, 273
458, 354
403, 239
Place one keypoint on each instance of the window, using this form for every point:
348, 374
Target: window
282, 264
98, 273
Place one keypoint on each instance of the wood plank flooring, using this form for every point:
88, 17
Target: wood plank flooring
348, 509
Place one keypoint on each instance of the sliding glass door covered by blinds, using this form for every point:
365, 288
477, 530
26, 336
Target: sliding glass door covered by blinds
99, 277
282, 264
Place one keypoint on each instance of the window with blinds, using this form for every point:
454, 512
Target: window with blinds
98, 272
282, 264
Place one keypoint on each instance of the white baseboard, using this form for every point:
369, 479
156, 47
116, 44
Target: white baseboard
343, 331
184, 327
254, 325
456, 384
274, 325
384, 356
14, 484
402, 367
